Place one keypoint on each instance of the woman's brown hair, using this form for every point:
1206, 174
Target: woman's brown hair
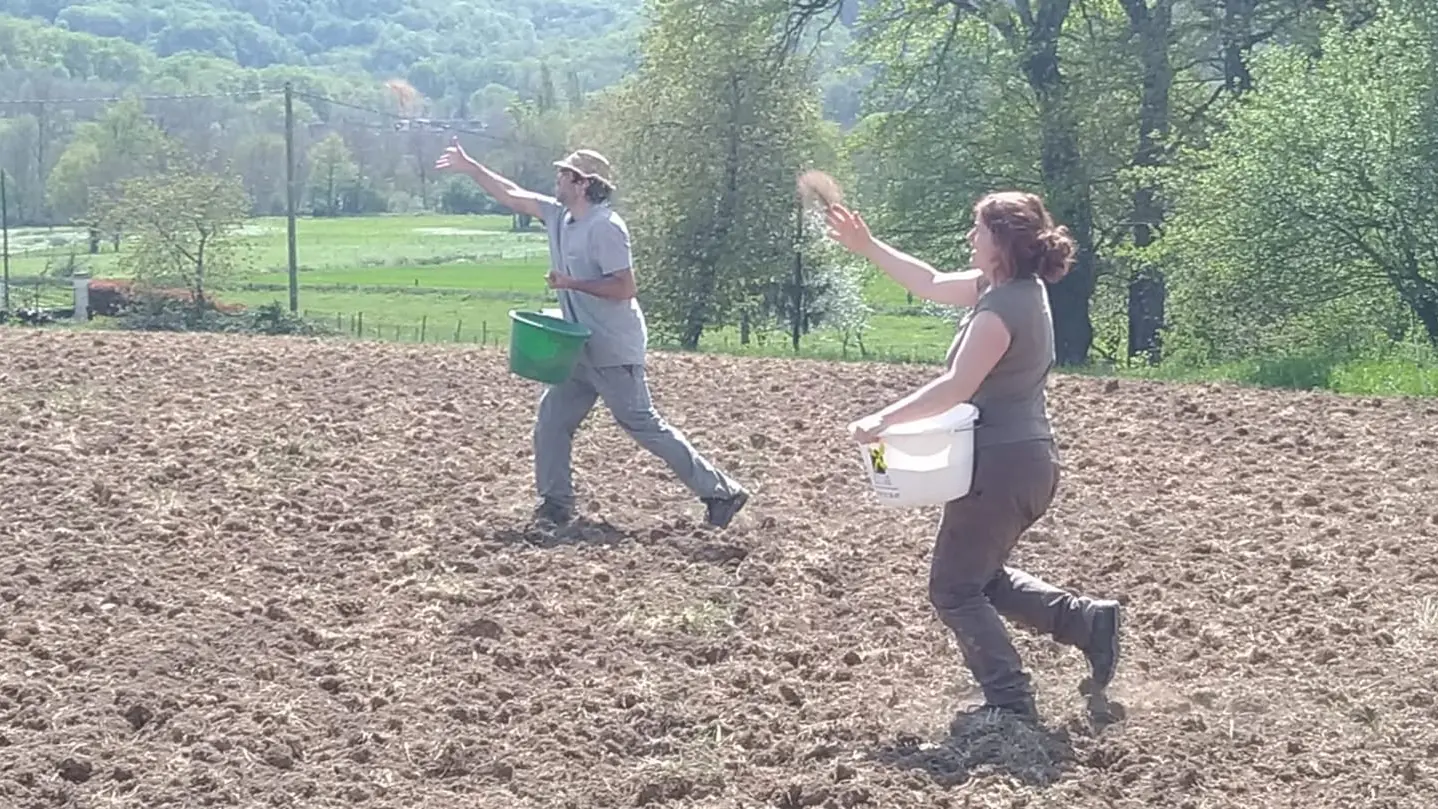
1025, 233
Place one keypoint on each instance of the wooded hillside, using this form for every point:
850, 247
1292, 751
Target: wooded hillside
446, 50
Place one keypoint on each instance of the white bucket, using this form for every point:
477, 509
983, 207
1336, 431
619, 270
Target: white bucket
926, 462
559, 313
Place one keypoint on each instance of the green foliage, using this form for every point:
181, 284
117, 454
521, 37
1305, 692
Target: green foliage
333, 175
710, 136
122, 144
447, 51
184, 225
271, 318
541, 135
45, 60
950, 119
1401, 369
159, 312
519, 120
973, 98
153, 311
834, 289
1309, 222
462, 195
1296, 220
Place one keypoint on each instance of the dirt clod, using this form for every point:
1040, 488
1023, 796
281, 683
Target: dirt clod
482, 628
138, 716
76, 770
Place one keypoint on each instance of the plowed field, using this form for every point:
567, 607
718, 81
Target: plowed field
265, 572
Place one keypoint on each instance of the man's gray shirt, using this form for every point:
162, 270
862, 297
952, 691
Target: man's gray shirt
595, 246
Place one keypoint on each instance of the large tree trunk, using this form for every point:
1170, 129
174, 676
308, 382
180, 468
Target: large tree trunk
797, 324
1236, 38
1419, 293
1146, 291
1065, 181
1427, 311
707, 281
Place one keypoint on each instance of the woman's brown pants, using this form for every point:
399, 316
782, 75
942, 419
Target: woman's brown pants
971, 586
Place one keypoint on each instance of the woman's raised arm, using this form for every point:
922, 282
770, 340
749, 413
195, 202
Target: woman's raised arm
919, 277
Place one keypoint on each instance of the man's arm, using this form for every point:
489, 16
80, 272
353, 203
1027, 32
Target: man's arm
506, 191
609, 242
617, 287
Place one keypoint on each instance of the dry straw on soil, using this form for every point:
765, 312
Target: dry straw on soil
259, 572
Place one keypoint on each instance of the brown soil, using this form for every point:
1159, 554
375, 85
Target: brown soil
263, 572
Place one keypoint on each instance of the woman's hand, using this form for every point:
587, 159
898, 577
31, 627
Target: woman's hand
867, 429
848, 229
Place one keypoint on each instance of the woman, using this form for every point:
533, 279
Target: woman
999, 361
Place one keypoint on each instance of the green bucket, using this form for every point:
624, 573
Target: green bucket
544, 348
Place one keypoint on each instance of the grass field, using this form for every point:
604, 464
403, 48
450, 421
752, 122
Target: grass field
454, 279
435, 276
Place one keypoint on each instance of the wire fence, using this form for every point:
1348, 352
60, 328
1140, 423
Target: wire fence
359, 325
425, 330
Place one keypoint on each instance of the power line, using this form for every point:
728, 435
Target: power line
444, 123
116, 99
447, 125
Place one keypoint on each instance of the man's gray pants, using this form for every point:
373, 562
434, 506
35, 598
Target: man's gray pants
625, 392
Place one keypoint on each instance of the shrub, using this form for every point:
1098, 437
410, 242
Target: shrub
117, 297
167, 312
274, 319
109, 297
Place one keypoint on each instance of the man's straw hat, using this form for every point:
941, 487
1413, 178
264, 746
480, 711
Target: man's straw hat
589, 164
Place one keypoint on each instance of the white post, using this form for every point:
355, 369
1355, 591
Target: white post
82, 296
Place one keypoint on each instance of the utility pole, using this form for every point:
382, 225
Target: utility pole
5, 227
290, 194
796, 323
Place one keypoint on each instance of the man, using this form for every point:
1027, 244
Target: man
592, 274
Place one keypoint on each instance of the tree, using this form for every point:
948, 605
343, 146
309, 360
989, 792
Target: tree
122, 144
333, 174
1152, 26
184, 223
961, 56
710, 135
539, 135
1166, 33
18, 137
827, 290
260, 160
1312, 216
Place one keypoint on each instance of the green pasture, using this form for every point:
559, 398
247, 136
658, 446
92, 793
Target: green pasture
417, 251
445, 278
423, 276
322, 245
